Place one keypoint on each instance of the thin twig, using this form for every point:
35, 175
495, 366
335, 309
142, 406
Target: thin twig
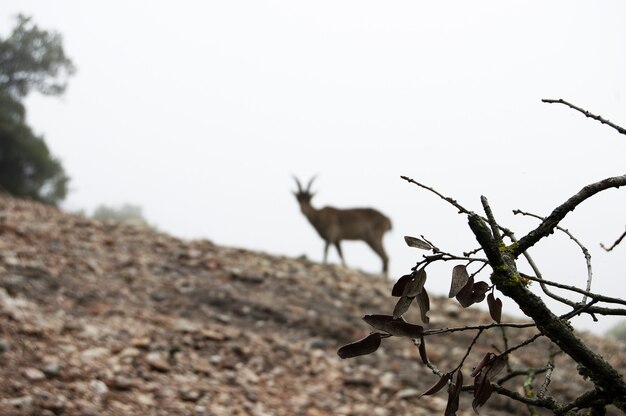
517, 373
480, 331
587, 114
462, 210
439, 331
582, 402
547, 226
549, 369
615, 244
547, 402
523, 344
575, 240
492, 220
596, 296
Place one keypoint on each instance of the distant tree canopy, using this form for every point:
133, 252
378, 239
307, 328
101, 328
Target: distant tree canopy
125, 214
30, 59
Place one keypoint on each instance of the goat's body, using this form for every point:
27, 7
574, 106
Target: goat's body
335, 225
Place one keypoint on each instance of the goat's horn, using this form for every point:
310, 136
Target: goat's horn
297, 183
308, 187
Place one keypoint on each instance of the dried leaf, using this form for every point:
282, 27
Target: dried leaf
465, 295
380, 322
396, 327
478, 291
405, 329
398, 288
417, 243
438, 385
416, 284
454, 392
364, 346
495, 307
422, 350
486, 360
402, 306
459, 280
482, 392
496, 367
424, 303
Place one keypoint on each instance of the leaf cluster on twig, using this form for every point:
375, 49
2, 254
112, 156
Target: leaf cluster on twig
504, 279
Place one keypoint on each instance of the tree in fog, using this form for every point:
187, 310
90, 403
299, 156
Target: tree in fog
31, 59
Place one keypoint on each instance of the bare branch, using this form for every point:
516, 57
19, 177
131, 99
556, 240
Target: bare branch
492, 220
549, 369
505, 277
587, 114
582, 248
597, 297
615, 244
462, 210
469, 349
547, 402
517, 373
547, 226
439, 331
522, 344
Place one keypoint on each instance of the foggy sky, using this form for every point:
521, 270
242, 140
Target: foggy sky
200, 114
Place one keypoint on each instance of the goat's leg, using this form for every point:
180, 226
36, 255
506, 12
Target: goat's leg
377, 246
326, 245
338, 246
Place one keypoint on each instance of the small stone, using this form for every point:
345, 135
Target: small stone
407, 394
141, 342
92, 354
185, 325
4, 345
159, 296
129, 352
99, 387
121, 382
23, 402
189, 395
200, 410
51, 366
33, 374
157, 362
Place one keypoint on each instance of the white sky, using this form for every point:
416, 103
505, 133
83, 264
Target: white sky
199, 112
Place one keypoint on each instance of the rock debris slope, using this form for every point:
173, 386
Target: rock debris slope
105, 319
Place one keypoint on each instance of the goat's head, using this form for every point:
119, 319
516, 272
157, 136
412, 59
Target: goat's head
304, 195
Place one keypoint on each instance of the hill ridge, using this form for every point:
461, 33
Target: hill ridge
106, 319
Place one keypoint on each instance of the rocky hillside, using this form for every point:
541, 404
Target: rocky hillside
104, 319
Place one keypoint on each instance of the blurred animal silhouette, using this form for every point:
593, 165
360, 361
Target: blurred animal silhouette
335, 225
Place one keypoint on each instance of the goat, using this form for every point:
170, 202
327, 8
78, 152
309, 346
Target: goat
334, 225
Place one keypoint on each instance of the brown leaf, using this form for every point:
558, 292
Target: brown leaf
496, 366
465, 295
416, 284
478, 291
402, 306
398, 288
422, 350
487, 359
405, 329
495, 307
417, 243
396, 327
364, 346
454, 392
438, 385
482, 392
424, 303
459, 280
